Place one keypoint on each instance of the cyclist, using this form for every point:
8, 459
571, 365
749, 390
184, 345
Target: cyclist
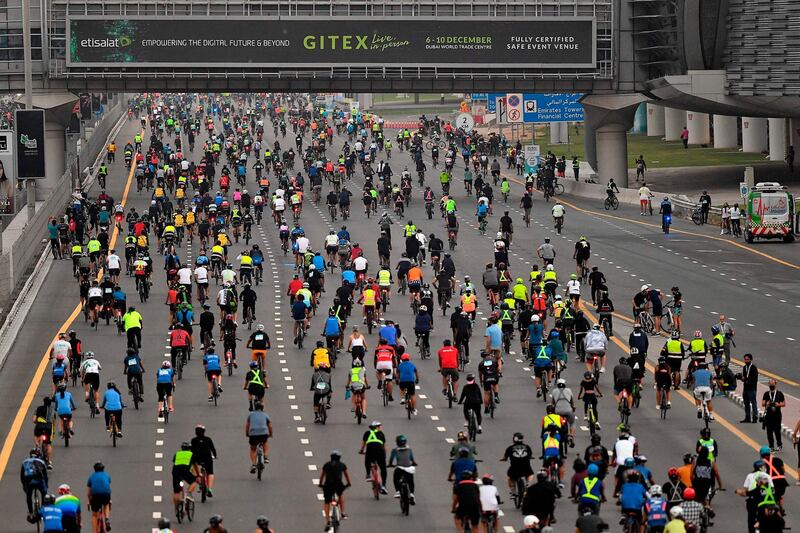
385, 361
472, 398
558, 212
373, 447
551, 451
448, 366
596, 345
632, 495
562, 401
204, 453
90, 373
165, 384
213, 370
623, 381
262, 525
259, 343
703, 390
466, 507
591, 491
403, 458
590, 392
99, 495
255, 383
519, 456
112, 404
675, 352
184, 471
331, 480
70, 507
258, 430
33, 475
407, 377
489, 377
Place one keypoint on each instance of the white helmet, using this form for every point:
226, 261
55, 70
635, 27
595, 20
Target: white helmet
645, 287
530, 521
549, 267
676, 512
499, 235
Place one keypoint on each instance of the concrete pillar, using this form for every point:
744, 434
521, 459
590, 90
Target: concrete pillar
590, 144
612, 143
754, 134
777, 139
564, 133
55, 161
725, 132
794, 132
655, 120
674, 121
698, 126
555, 132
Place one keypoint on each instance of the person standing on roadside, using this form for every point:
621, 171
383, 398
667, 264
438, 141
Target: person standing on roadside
771, 403
685, 138
749, 378
727, 333
705, 206
644, 197
725, 213
641, 167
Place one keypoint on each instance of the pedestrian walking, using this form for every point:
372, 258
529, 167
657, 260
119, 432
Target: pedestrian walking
641, 167
749, 378
725, 226
771, 404
705, 206
644, 197
685, 138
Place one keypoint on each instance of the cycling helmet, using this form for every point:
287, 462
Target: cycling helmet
186, 446
676, 512
357, 363
764, 451
253, 364
63, 489
62, 387
596, 327
758, 465
35, 452
401, 440
688, 493
99, 467
698, 334
260, 327
675, 335
215, 520
488, 479
630, 462
262, 521
320, 344
662, 360
375, 424
88, 355
596, 438
715, 329
518, 437
561, 383
166, 364
405, 357
530, 521
48, 499
588, 375
549, 267
550, 409
623, 428
637, 325
573, 276
623, 361
592, 470
199, 430
706, 433
558, 297
672, 473
60, 357
645, 287
164, 523
655, 491
535, 318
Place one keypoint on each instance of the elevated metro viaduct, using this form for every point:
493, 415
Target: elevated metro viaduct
686, 58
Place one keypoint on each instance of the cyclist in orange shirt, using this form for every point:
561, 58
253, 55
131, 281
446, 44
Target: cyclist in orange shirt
414, 279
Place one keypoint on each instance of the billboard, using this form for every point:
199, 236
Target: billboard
30, 143
519, 42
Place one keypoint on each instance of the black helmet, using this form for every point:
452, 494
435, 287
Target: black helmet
596, 439
99, 467
48, 499
163, 523
262, 521
705, 433
199, 430
518, 437
215, 520
186, 446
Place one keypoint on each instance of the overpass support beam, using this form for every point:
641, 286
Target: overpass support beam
777, 139
698, 126
725, 131
754, 134
610, 117
655, 120
674, 121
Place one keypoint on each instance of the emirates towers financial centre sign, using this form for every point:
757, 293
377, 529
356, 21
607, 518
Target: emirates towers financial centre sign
315, 42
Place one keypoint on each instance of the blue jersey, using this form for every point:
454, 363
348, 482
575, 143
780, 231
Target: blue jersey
211, 360
349, 276
332, 328
257, 258
165, 375
70, 505
59, 369
299, 310
482, 209
319, 263
422, 323
99, 483
51, 518
390, 334
407, 372
535, 331
632, 496
64, 403
343, 235
702, 378
112, 401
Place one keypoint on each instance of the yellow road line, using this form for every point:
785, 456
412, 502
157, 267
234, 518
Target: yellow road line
19, 419
672, 230
737, 361
720, 419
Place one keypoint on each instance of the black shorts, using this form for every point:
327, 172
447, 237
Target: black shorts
674, 364
114, 271
97, 501
95, 301
488, 383
452, 372
331, 249
408, 386
329, 491
211, 374
58, 379
470, 513
539, 371
93, 380
256, 390
255, 440
164, 391
663, 385
414, 286
208, 465
182, 473
623, 385
42, 429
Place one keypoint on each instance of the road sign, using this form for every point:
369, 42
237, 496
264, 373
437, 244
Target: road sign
563, 107
465, 122
499, 109
514, 108
743, 189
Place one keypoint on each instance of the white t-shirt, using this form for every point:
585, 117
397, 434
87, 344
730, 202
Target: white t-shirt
95, 292
61, 347
91, 366
185, 276
222, 297
201, 274
574, 287
113, 262
644, 193
558, 211
489, 498
360, 264
280, 204
736, 214
228, 275
623, 449
331, 240
421, 238
726, 212
302, 244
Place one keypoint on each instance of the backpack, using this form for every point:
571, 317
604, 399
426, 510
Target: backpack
29, 469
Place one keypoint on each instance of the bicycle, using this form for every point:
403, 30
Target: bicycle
144, 290
631, 523
444, 296
559, 223
202, 483
622, 407
92, 402
491, 406
260, 462
407, 403
472, 425
114, 430
612, 202
185, 506
36, 503
664, 405
667, 316
301, 333
425, 347
450, 392
482, 226
489, 522
215, 389
382, 385
359, 412
404, 490
375, 480
520, 485
322, 411
65, 432
335, 516
591, 417
646, 320
637, 392
370, 311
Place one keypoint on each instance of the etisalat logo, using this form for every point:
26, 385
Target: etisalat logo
27, 142
108, 42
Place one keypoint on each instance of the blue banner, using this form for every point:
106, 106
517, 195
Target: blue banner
479, 96
564, 107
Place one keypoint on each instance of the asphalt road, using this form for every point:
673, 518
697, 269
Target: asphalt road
627, 252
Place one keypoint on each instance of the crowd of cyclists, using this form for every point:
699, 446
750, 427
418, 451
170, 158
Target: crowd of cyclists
211, 174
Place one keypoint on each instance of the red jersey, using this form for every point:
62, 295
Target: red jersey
448, 357
178, 337
384, 354
294, 286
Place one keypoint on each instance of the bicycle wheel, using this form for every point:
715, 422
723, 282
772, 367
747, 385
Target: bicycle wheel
607, 204
190, 510
179, 512
520, 492
405, 499
472, 426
